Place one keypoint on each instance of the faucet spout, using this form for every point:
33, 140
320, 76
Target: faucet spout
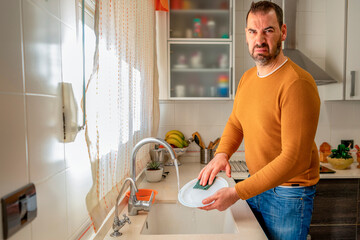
140, 144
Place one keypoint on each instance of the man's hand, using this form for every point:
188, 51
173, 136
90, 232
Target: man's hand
218, 163
222, 199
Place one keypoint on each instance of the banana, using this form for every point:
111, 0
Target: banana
175, 136
177, 132
185, 143
174, 142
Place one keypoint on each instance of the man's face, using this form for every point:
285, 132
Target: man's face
264, 37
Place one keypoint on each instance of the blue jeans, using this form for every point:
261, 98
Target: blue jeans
284, 213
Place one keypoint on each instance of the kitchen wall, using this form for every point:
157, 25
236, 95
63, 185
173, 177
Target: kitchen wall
38, 51
338, 119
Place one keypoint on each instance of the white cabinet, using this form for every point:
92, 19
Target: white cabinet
343, 34
199, 53
352, 83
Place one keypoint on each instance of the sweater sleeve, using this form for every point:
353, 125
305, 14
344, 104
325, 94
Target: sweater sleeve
300, 107
233, 133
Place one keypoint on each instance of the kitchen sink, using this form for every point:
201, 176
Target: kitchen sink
174, 218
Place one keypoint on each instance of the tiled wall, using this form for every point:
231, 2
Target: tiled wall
338, 120
38, 51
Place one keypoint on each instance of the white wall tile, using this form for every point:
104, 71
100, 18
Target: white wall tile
78, 184
51, 220
167, 112
11, 79
318, 48
22, 234
52, 6
164, 129
318, 26
46, 151
318, 5
41, 50
304, 5
186, 113
239, 5
71, 59
214, 112
13, 163
240, 22
68, 12
239, 45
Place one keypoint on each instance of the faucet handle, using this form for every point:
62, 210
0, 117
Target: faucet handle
126, 219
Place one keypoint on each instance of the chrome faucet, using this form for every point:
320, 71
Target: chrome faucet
135, 205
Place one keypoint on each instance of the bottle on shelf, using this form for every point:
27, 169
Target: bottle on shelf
197, 28
176, 4
223, 61
211, 25
204, 27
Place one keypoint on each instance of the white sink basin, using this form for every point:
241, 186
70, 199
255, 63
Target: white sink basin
171, 218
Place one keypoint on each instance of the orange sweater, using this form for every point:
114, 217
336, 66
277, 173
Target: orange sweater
277, 117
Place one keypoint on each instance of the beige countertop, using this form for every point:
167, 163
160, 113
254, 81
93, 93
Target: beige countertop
351, 172
247, 225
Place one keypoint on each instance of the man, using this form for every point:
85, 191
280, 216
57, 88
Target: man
276, 111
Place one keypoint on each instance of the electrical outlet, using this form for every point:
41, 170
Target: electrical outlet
347, 143
18, 209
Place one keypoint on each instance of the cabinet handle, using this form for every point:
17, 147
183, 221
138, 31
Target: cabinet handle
352, 86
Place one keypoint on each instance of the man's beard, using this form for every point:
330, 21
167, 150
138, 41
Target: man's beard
263, 59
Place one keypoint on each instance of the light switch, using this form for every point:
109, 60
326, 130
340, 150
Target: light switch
18, 209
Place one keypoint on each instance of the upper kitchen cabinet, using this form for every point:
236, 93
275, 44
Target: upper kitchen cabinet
199, 54
342, 50
200, 20
352, 83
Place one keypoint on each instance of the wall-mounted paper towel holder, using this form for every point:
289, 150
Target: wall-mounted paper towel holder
70, 113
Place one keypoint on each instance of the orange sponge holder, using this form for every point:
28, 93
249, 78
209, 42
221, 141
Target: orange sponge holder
144, 194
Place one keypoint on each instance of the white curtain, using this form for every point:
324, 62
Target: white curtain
120, 97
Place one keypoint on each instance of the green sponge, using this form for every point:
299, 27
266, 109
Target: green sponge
206, 187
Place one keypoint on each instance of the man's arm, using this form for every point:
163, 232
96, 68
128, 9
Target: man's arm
229, 143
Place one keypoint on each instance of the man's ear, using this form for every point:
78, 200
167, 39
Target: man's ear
283, 32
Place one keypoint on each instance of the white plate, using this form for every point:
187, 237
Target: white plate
190, 197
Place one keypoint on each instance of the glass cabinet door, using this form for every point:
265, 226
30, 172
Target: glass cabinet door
200, 19
200, 70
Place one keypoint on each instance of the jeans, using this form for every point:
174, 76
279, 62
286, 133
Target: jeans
284, 213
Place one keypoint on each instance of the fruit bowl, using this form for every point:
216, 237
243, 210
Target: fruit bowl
340, 163
178, 151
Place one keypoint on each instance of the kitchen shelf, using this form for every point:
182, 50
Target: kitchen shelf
199, 11
200, 70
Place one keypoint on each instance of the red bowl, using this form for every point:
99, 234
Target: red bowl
143, 194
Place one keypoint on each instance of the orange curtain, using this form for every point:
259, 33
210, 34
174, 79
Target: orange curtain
161, 5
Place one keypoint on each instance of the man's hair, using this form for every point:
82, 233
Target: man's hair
265, 7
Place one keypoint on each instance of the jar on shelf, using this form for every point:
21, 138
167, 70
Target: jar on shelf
223, 86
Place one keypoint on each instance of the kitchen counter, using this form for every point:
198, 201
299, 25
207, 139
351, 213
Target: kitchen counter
351, 172
245, 221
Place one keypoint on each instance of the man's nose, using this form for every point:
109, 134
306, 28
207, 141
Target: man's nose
260, 39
